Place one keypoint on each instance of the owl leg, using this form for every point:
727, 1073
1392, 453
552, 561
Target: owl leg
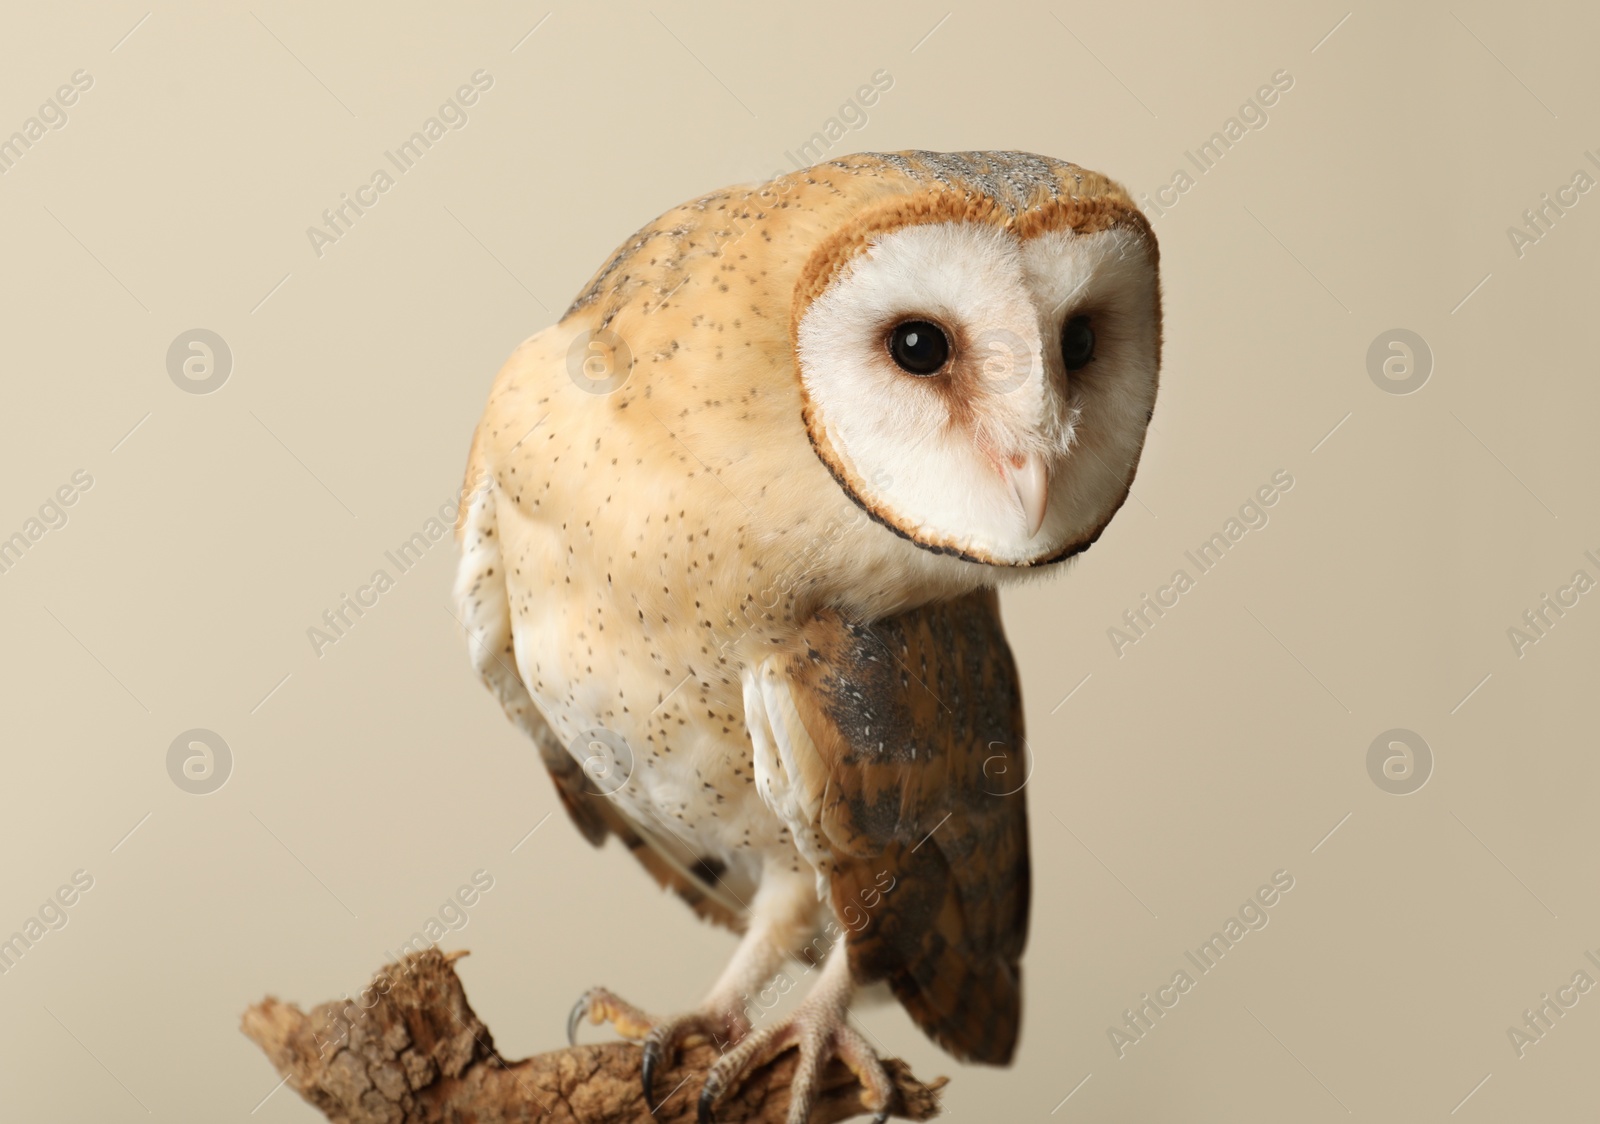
820, 1030
781, 919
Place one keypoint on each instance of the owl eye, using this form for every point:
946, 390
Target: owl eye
918, 347
1077, 343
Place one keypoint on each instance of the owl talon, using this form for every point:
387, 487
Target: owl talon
708, 1096
579, 1009
647, 1072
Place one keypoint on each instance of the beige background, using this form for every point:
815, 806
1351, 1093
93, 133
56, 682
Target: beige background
1226, 744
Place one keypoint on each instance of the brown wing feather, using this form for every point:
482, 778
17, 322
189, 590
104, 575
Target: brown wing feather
918, 721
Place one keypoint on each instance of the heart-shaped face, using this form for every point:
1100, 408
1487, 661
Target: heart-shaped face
981, 384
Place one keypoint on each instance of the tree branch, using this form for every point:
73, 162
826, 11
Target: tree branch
410, 1050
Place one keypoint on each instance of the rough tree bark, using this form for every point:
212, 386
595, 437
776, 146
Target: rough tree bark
409, 1050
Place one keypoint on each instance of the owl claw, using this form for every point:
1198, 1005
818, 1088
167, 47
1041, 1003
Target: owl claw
708, 1096
579, 1009
647, 1072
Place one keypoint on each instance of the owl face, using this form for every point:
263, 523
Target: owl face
982, 385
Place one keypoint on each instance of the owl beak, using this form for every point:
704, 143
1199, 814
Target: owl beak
1030, 480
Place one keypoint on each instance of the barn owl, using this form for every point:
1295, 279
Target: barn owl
729, 555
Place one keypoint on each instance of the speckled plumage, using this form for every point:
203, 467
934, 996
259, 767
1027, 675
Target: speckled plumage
699, 564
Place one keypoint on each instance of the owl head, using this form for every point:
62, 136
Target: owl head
977, 347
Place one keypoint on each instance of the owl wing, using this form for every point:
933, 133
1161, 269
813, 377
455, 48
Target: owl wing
483, 608
894, 751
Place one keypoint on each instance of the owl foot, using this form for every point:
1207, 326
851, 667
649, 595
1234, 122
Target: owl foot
662, 1038
819, 1030
661, 1045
